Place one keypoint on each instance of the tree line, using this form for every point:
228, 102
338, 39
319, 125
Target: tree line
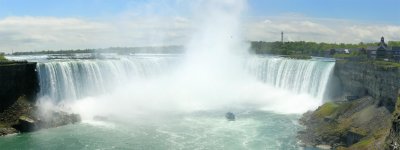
120, 50
258, 47
305, 48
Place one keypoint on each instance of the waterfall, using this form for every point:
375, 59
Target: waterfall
62, 80
299, 76
74, 79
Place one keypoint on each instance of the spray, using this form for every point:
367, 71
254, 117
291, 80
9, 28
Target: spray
209, 77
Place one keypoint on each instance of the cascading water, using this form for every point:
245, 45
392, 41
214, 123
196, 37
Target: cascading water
179, 102
77, 79
119, 88
299, 76
126, 89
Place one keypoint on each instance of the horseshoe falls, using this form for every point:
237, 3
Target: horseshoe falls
179, 101
298, 76
149, 104
71, 80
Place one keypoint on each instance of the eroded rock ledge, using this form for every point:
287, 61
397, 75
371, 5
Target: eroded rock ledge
364, 115
24, 116
18, 89
357, 124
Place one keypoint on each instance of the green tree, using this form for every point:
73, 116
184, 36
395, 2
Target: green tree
2, 57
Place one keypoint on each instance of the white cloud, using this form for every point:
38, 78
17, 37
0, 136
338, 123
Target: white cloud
267, 21
301, 28
42, 33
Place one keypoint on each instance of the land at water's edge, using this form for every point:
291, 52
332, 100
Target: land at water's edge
18, 112
365, 110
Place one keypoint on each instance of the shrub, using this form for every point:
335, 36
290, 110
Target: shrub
2, 57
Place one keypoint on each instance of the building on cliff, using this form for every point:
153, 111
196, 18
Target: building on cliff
384, 52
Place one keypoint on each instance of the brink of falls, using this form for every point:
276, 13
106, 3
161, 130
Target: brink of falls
72, 80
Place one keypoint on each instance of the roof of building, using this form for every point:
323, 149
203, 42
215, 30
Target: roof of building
396, 48
381, 46
374, 48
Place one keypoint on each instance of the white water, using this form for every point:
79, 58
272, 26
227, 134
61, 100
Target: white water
298, 76
72, 80
158, 84
216, 73
178, 101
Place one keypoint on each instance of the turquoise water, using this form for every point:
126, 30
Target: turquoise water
203, 130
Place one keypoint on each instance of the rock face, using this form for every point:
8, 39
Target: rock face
18, 113
23, 116
382, 82
10, 115
26, 124
393, 140
357, 124
17, 79
366, 114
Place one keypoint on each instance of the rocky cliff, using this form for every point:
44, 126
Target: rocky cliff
366, 110
381, 81
18, 111
16, 80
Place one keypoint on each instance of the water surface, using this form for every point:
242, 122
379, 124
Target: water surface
204, 130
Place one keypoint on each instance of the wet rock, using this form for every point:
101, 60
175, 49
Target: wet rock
100, 118
57, 118
26, 124
7, 131
75, 118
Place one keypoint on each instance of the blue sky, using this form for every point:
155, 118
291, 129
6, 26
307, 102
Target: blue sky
386, 11
27, 25
363, 10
